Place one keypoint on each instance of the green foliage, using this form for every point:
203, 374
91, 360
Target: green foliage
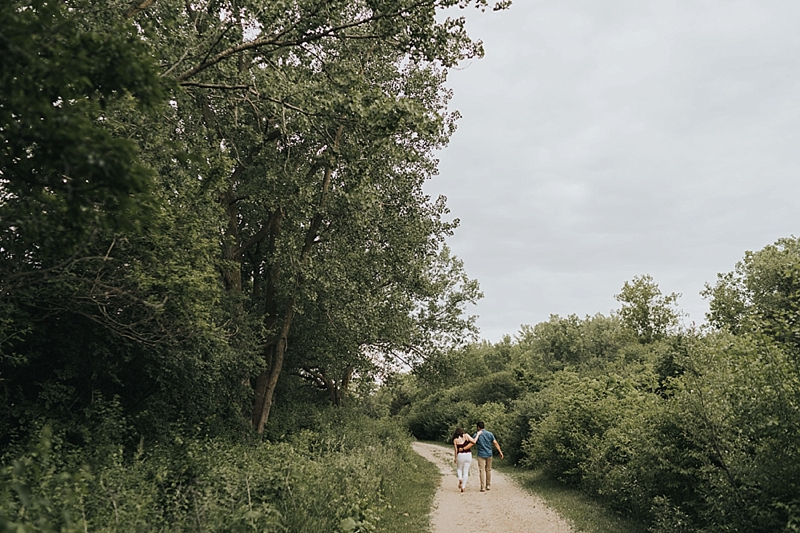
571, 341
761, 294
498, 387
35, 497
458, 388
317, 133
177, 190
63, 172
188, 189
579, 413
411, 509
109, 294
453, 367
739, 400
331, 478
435, 417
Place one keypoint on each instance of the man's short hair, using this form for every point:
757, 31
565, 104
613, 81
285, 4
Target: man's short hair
480, 425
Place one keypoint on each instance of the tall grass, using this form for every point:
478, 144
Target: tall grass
352, 474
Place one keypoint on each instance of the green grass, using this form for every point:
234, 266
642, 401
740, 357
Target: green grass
584, 513
412, 498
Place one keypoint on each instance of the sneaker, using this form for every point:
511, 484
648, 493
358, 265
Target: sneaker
459, 483
488, 488
483, 490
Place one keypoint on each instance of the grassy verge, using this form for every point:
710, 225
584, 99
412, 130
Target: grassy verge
584, 513
350, 473
412, 497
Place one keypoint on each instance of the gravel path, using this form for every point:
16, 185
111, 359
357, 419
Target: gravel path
505, 508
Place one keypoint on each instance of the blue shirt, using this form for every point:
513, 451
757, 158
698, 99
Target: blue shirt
484, 444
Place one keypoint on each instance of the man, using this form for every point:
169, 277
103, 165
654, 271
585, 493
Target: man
484, 445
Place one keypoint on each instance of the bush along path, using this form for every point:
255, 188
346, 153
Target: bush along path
504, 508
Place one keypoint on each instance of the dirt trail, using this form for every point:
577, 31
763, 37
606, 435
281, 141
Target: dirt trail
505, 508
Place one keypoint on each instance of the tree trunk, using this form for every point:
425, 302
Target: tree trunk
268, 379
344, 385
270, 321
276, 348
339, 389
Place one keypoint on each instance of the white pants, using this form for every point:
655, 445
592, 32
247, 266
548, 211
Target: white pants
463, 460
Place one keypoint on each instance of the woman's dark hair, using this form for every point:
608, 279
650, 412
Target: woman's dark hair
458, 433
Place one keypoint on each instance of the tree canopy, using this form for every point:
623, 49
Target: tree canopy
221, 192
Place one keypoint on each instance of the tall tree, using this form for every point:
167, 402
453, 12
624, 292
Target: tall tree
182, 180
314, 112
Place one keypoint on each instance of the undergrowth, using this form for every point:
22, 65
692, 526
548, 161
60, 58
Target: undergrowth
352, 474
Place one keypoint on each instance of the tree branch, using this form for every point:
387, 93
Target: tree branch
175, 65
289, 106
277, 43
213, 85
274, 219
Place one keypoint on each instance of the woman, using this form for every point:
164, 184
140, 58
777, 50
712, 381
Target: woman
462, 456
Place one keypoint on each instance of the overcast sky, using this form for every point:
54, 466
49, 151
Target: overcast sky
601, 140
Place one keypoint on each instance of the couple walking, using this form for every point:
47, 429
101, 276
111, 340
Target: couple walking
463, 443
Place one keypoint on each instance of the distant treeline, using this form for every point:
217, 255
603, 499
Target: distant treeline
688, 430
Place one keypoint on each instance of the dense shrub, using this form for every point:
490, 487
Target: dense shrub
487, 399
580, 410
716, 451
526, 410
435, 417
740, 400
499, 387
644, 462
